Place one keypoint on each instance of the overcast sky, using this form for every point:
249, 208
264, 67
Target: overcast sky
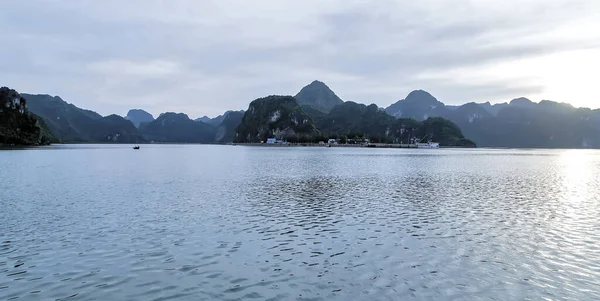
203, 57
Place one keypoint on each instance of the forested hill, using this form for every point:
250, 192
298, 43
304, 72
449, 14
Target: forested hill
518, 123
75, 125
281, 117
18, 126
274, 116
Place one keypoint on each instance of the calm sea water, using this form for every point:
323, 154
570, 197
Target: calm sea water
171, 222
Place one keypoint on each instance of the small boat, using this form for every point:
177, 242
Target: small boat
428, 145
136, 147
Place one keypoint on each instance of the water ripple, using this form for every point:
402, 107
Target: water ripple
223, 223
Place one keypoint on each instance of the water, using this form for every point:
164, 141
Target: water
171, 222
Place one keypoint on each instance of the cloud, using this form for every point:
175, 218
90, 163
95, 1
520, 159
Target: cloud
156, 68
205, 57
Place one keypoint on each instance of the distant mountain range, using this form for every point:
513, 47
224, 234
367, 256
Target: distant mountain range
72, 124
178, 128
518, 123
227, 129
217, 120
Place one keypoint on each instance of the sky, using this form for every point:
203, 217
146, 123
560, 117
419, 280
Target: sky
203, 57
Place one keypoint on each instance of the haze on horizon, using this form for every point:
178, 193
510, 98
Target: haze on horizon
206, 57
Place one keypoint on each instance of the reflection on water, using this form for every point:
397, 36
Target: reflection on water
237, 223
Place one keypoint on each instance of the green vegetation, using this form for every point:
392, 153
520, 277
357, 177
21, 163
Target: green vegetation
227, 129
217, 121
443, 131
74, 125
357, 121
318, 96
316, 114
520, 123
352, 120
177, 128
17, 125
418, 105
275, 116
349, 122
544, 125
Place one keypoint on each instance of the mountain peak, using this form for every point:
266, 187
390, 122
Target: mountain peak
204, 119
318, 83
138, 116
421, 96
174, 115
319, 96
419, 105
521, 102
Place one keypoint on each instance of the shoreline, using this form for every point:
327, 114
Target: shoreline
22, 147
370, 145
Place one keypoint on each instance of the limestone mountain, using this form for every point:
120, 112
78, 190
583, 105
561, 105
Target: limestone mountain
19, 126
352, 118
547, 124
358, 120
71, 124
204, 119
318, 95
444, 131
493, 109
217, 120
473, 119
138, 116
227, 129
468, 113
519, 123
318, 113
418, 105
274, 116
178, 128
522, 102
314, 114
172, 127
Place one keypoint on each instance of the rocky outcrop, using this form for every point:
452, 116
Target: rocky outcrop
274, 117
138, 116
18, 126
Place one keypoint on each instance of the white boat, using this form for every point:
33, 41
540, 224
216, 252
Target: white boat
428, 145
